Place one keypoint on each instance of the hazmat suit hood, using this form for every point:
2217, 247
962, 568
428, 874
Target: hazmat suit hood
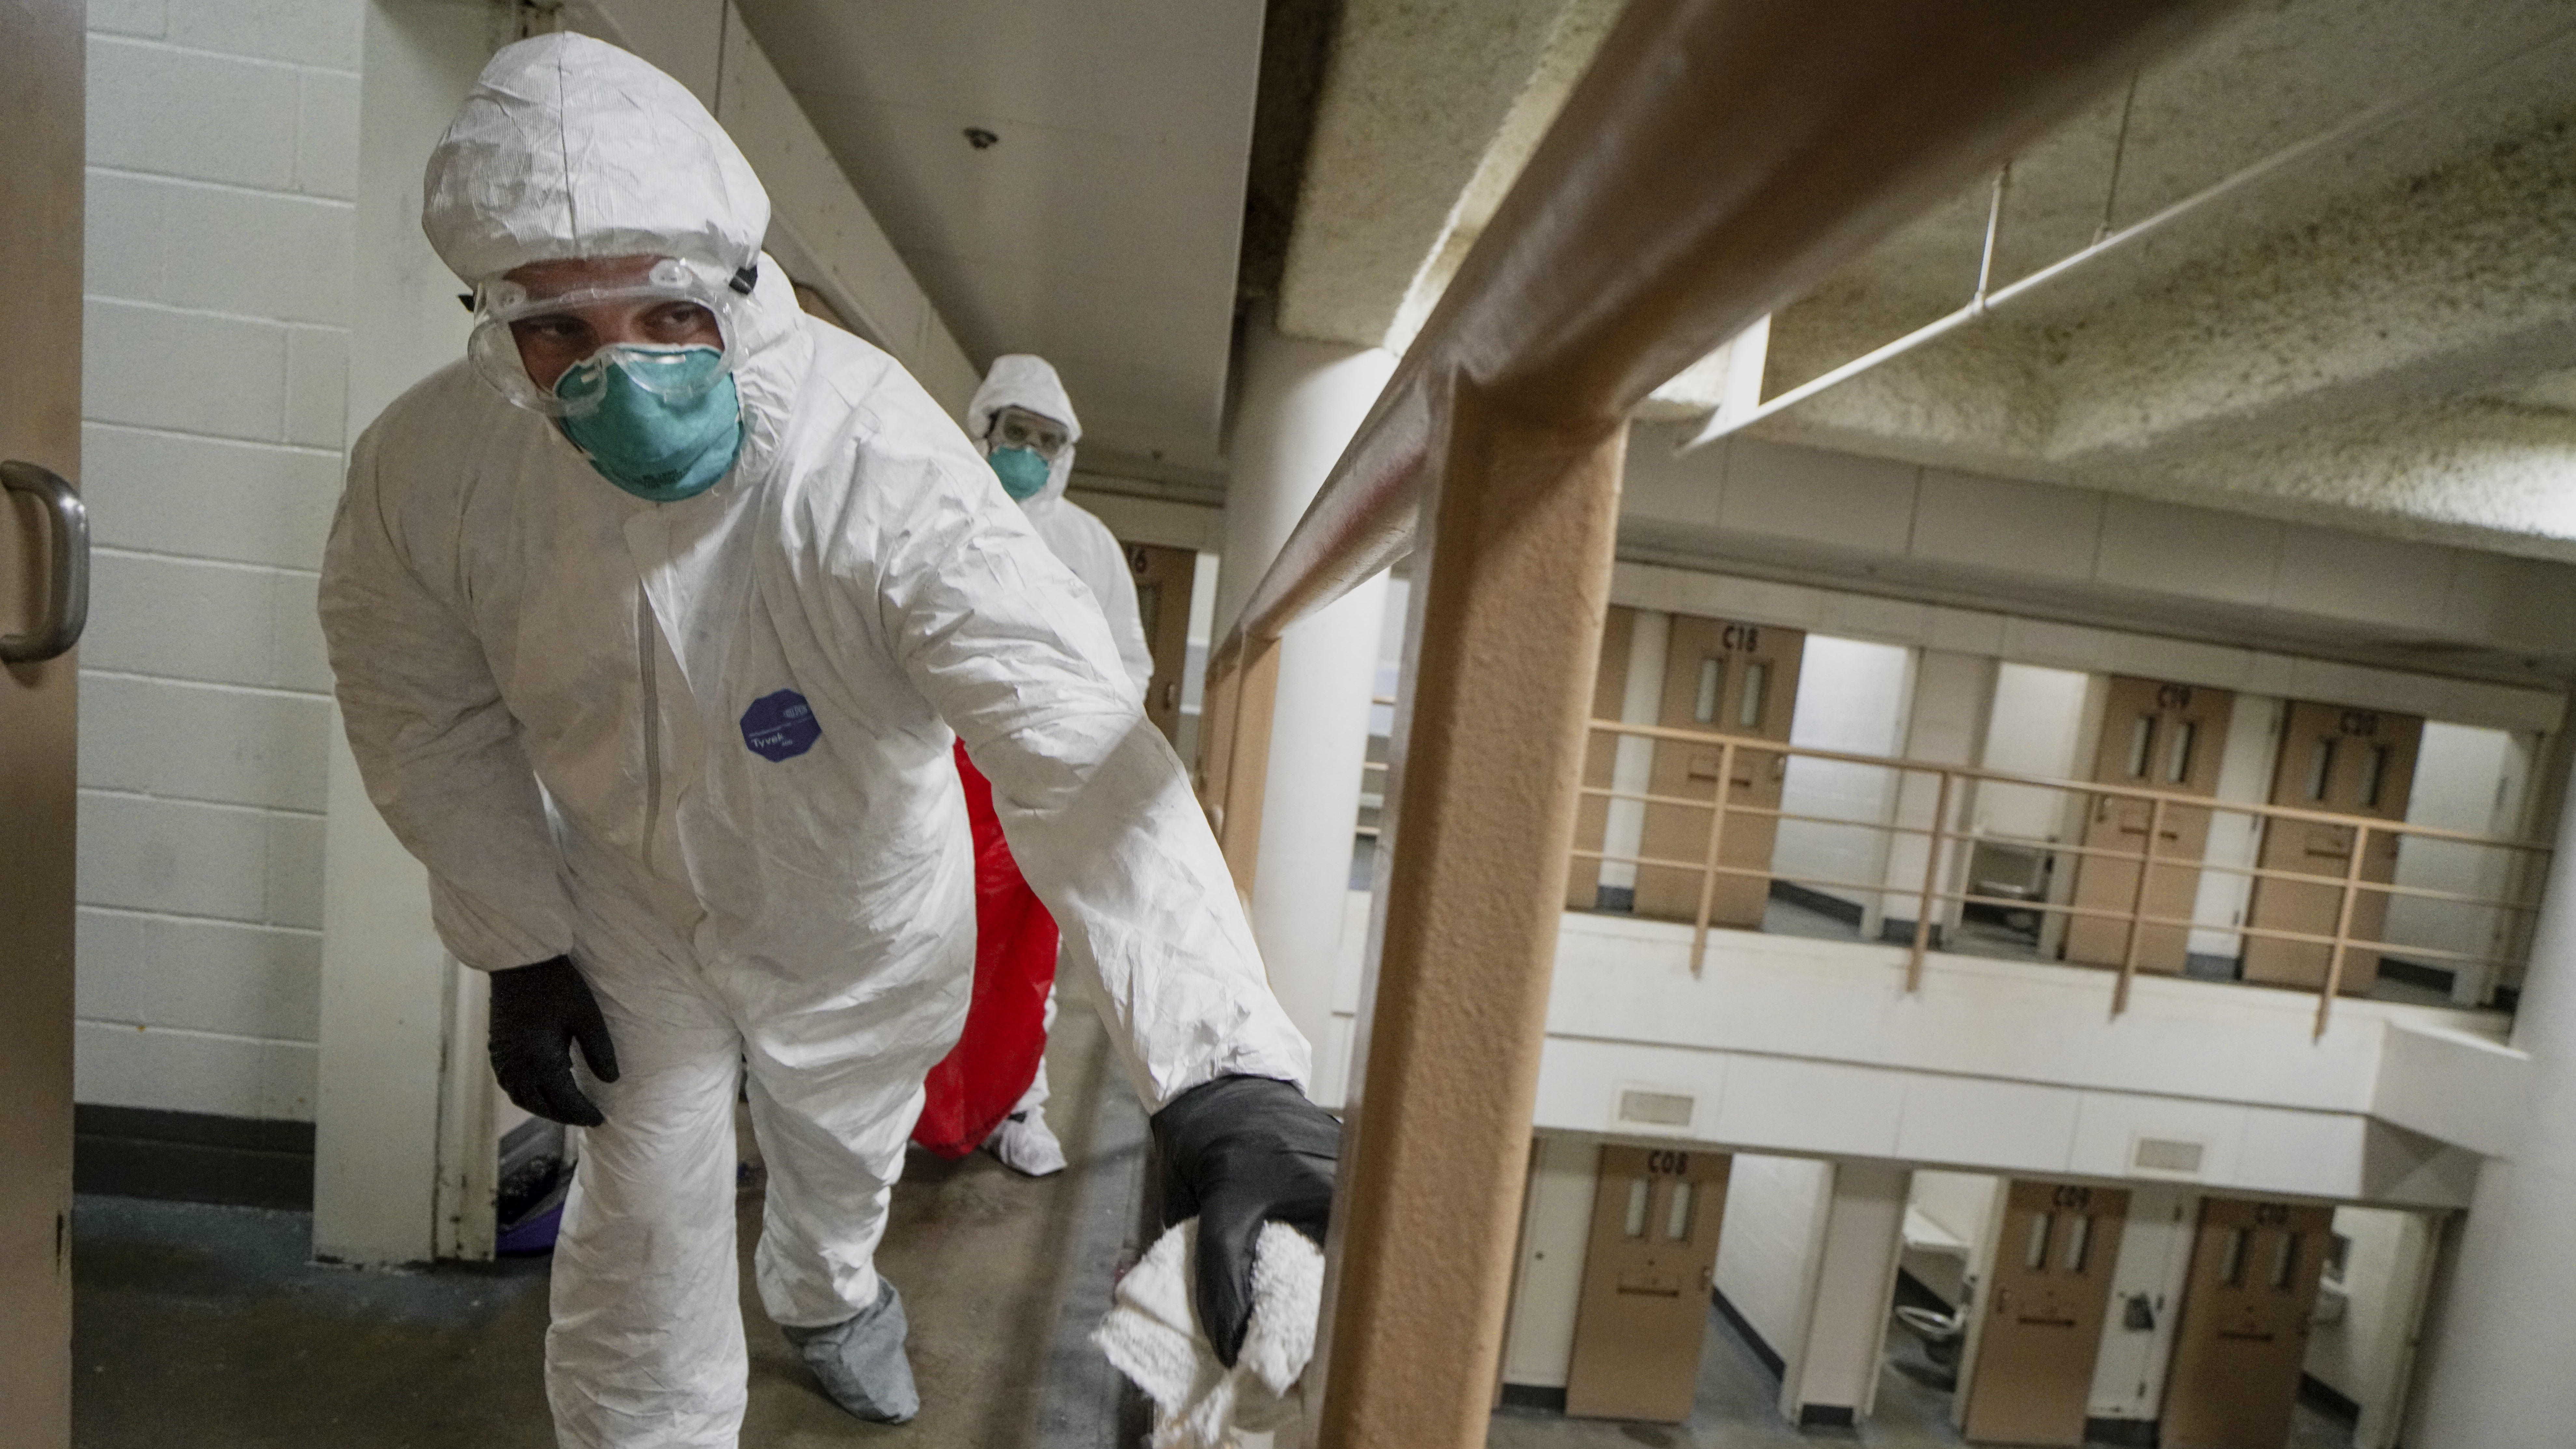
1021, 380
570, 148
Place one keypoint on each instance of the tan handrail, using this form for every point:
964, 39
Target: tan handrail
2137, 918
1718, 159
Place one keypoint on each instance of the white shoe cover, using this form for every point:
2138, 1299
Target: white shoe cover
1025, 1145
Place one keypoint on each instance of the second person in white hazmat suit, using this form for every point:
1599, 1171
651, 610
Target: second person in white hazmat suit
1024, 422
653, 623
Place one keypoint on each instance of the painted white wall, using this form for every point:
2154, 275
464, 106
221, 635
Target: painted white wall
1944, 1230
2033, 728
1547, 1289
223, 167
1299, 405
1853, 696
1959, 1202
2115, 556
1855, 1284
2466, 778
2363, 1343
1632, 761
1945, 725
2085, 648
2496, 1373
402, 1146
2155, 1262
1768, 1247
2236, 840
1791, 1044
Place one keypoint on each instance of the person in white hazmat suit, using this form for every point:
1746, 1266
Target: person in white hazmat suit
652, 621
1023, 420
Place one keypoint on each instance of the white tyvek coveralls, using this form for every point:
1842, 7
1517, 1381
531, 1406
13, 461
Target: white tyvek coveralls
1071, 531
553, 690
1078, 537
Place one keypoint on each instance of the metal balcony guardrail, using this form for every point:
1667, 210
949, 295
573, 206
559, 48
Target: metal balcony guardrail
1946, 841
1717, 160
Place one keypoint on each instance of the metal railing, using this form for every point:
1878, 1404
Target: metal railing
1716, 161
1946, 840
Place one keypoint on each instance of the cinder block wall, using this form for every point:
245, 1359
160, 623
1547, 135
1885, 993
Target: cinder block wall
223, 158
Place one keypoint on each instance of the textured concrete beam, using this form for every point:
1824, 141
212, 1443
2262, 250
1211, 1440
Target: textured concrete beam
2437, 290
2396, 365
1417, 94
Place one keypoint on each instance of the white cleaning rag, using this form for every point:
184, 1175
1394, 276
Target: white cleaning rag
1152, 1335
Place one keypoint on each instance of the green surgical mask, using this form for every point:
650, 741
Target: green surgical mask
1022, 471
662, 423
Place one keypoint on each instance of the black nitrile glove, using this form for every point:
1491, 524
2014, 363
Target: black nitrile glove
538, 1012
1239, 1152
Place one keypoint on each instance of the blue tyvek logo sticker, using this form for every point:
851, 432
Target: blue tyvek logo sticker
780, 726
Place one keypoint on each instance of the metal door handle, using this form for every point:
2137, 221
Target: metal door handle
67, 602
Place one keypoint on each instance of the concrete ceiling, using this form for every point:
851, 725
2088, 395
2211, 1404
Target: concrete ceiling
2377, 337
2380, 337
1100, 229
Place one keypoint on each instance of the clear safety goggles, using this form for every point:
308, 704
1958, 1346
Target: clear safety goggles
676, 305
1017, 427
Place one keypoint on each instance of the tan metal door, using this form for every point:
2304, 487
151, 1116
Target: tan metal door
1163, 580
1728, 678
2345, 762
42, 551
2155, 736
1600, 757
2045, 1305
2243, 1334
1646, 1281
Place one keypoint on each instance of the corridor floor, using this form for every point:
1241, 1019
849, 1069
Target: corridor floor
206, 1326
1737, 1407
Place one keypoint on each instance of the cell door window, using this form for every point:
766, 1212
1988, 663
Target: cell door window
2178, 751
2374, 775
1677, 1213
1712, 684
2035, 1250
1757, 684
2320, 768
2285, 1261
2142, 745
1639, 1191
2079, 1242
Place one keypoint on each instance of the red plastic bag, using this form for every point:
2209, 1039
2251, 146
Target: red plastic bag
975, 1086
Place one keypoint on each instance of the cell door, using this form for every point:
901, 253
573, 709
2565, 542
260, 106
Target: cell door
2155, 736
1720, 678
2243, 1334
2345, 762
2045, 1303
1600, 761
1646, 1281
43, 563
1163, 580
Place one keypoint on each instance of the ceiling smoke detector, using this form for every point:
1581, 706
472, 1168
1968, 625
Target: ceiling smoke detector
980, 139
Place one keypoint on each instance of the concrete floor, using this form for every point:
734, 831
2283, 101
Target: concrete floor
205, 1326
1738, 1407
